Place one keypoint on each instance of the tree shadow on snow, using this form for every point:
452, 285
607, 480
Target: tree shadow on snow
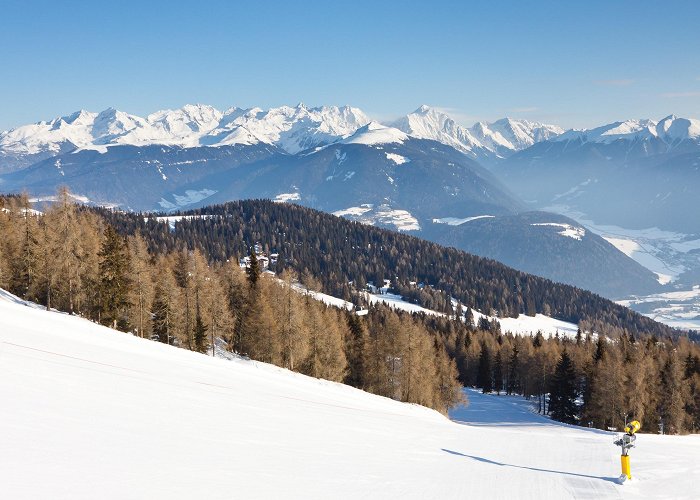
492, 462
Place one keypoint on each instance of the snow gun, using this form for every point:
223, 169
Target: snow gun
626, 441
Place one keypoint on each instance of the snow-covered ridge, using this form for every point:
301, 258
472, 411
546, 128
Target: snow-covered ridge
382, 215
376, 133
670, 130
574, 232
299, 128
500, 137
291, 129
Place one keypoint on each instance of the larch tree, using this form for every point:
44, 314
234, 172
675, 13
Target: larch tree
64, 251
671, 407
141, 293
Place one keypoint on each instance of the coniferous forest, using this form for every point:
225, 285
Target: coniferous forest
185, 287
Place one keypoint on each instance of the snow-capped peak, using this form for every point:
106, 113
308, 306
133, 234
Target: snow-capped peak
513, 135
501, 137
429, 123
376, 133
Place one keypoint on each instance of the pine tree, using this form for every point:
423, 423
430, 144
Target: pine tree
563, 391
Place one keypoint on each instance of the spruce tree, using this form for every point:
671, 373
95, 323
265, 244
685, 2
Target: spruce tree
483, 378
514, 372
114, 280
253, 270
563, 391
498, 373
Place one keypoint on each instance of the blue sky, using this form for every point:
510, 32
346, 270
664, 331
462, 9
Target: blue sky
575, 64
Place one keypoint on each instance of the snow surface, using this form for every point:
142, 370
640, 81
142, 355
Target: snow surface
680, 308
89, 412
375, 133
576, 233
522, 325
286, 197
455, 221
367, 213
398, 159
189, 197
170, 220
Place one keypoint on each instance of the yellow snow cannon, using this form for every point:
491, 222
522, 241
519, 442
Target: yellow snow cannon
632, 427
626, 441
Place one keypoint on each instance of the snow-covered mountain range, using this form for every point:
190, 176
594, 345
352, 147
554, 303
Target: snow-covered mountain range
292, 129
670, 130
295, 129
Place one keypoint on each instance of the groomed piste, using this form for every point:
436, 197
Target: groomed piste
88, 412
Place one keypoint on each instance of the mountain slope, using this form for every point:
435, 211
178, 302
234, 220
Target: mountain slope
377, 166
177, 424
552, 246
340, 252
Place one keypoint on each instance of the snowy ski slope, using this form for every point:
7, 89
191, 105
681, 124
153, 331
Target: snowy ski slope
88, 412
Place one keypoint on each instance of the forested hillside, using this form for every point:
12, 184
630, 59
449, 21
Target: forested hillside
72, 259
345, 255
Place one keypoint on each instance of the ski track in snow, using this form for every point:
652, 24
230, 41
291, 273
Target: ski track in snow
100, 413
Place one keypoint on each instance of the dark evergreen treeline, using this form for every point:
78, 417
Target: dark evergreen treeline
72, 259
598, 382
345, 255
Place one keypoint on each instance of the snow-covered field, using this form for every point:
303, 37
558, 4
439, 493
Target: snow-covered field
93, 413
680, 309
522, 325
666, 253
382, 215
663, 252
